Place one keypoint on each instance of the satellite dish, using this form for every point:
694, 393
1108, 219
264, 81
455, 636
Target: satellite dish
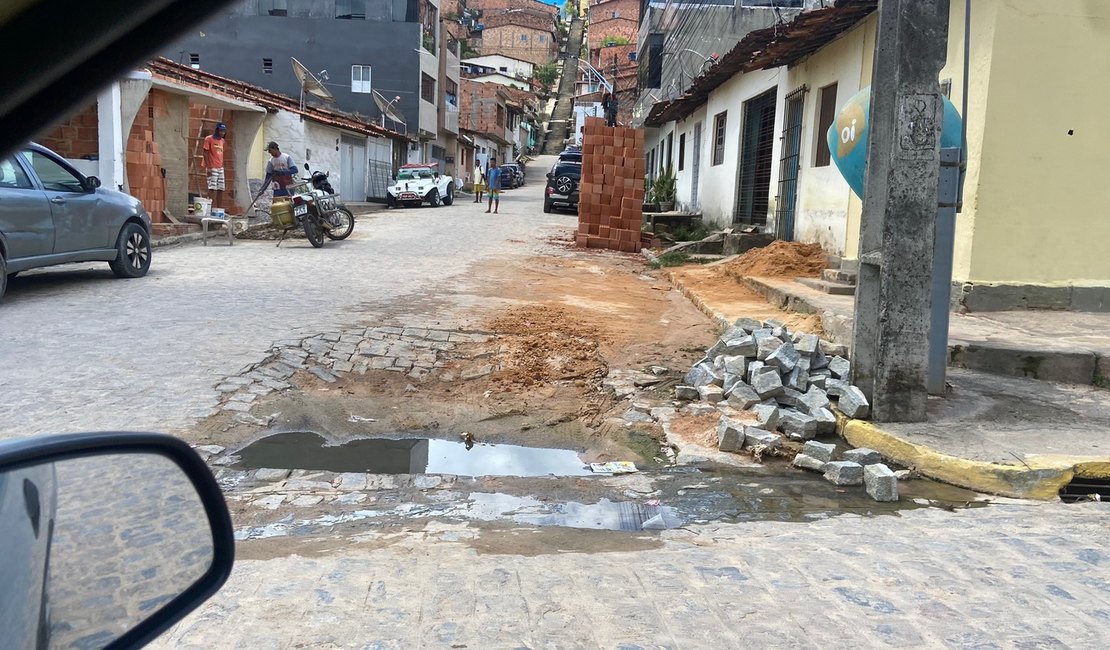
386, 107
310, 83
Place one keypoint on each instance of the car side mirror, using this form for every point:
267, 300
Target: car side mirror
91, 183
140, 507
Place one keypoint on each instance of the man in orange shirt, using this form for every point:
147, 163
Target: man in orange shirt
213, 161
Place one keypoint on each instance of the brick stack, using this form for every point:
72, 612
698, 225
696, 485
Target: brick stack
611, 192
144, 162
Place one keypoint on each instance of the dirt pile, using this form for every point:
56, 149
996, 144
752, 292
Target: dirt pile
545, 343
782, 259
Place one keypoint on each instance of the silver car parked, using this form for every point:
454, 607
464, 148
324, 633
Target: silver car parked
52, 214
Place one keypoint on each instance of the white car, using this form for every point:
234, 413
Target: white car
416, 185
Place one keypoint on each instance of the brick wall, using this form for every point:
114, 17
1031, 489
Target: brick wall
613, 18
144, 161
506, 40
202, 122
611, 192
76, 137
479, 104
491, 7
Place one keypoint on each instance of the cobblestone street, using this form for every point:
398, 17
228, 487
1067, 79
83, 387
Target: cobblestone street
745, 556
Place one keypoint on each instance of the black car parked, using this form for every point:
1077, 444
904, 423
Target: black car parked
562, 186
512, 175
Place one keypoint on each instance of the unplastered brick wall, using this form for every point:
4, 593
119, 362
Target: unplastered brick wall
144, 161
202, 123
611, 192
77, 137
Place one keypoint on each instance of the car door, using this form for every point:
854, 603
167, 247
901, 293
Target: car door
80, 222
25, 216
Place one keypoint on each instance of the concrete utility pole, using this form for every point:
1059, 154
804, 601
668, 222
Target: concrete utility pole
897, 229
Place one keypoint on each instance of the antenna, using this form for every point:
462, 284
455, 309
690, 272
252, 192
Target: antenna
386, 107
310, 83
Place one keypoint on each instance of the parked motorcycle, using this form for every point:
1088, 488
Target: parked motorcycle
334, 213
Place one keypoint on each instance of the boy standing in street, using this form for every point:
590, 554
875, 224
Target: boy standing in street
493, 184
478, 186
213, 162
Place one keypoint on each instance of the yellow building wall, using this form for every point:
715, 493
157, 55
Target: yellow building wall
1040, 213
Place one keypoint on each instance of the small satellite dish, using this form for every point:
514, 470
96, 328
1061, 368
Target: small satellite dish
310, 83
386, 107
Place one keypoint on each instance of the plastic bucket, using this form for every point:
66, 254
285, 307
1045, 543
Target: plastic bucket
202, 207
218, 213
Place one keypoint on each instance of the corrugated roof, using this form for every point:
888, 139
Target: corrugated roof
166, 69
766, 48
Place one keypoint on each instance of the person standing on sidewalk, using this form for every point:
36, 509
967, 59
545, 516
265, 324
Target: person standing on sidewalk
493, 185
213, 162
478, 178
280, 169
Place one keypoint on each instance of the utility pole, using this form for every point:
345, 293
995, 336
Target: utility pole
897, 229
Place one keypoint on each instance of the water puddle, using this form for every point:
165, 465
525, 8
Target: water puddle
407, 456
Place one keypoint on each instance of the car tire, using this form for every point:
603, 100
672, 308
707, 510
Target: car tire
133, 252
547, 207
433, 198
450, 198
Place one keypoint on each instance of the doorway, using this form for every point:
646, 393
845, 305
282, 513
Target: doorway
352, 181
790, 165
756, 155
695, 203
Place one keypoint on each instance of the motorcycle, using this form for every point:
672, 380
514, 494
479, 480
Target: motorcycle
334, 214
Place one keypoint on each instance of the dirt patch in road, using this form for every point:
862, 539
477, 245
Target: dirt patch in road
724, 292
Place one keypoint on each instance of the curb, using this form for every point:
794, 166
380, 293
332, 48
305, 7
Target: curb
1039, 478
838, 328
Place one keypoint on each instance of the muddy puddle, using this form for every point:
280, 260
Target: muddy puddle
407, 456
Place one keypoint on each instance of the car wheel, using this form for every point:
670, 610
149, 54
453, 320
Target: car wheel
564, 185
132, 252
450, 198
433, 198
3, 275
547, 207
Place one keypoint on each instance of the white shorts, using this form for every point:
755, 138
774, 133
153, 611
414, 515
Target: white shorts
216, 179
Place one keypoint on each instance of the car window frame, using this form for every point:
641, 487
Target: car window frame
20, 166
82, 180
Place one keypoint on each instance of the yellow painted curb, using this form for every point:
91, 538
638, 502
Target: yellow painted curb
1041, 477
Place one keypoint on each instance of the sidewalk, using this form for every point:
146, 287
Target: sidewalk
1021, 419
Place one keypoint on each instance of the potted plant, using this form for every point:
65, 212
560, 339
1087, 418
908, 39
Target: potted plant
649, 196
664, 190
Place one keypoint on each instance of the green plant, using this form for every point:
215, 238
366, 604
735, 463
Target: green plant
649, 187
611, 40
673, 258
682, 233
546, 74
663, 189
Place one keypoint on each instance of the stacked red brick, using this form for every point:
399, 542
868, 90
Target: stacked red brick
611, 192
144, 161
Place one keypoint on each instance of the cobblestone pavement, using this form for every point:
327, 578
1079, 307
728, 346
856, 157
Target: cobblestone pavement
1007, 576
84, 351
130, 535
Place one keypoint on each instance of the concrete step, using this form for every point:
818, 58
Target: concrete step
840, 275
834, 288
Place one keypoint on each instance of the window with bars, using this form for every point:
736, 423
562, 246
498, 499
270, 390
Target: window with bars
267, 66
350, 9
360, 78
273, 7
427, 88
670, 149
452, 93
719, 137
825, 117
194, 60
681, 152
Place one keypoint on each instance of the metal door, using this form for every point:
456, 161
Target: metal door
756, 155
789, 166
25, 217
352, 182
695, 201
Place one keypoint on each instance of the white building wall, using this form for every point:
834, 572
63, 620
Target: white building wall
823, 196
718, 183
684, 178
512, 67
322, 151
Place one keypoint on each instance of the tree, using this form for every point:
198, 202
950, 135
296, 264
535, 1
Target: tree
571, 8
546, 74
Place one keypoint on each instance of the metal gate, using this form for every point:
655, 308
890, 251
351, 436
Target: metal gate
695, 202
756, 155
789, 165
352, 182
380, 168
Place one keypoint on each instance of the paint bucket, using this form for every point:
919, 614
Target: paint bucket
202, 207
